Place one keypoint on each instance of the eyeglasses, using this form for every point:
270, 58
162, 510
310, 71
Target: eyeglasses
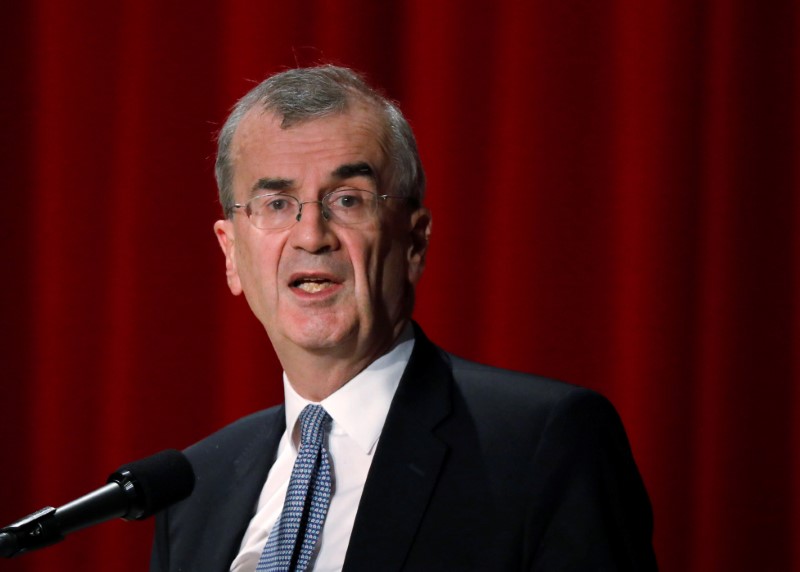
346, 206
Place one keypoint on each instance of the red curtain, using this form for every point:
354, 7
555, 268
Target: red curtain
615, 196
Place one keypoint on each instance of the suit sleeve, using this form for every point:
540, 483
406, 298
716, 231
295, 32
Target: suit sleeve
159, 558
592, 510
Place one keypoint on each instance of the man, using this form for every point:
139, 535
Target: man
395, 455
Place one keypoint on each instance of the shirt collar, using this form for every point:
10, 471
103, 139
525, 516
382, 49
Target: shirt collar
360, 406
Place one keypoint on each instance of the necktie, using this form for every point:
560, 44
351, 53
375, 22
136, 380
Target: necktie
293, 537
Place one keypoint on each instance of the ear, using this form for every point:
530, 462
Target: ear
226, 237
421, 225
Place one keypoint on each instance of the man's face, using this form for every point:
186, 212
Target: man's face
318, 286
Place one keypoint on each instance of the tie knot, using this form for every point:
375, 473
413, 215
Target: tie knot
313, 419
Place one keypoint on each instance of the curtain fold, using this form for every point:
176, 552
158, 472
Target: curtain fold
614, 189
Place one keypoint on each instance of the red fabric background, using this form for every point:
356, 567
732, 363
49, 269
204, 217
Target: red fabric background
644, 242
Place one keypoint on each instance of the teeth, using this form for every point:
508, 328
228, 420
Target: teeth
313, 287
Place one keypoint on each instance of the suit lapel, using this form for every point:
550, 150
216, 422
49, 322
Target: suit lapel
406, 464
236, 496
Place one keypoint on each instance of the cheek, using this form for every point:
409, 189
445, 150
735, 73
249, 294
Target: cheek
366, 267
258, 268
379, 268
367, 260
391, 274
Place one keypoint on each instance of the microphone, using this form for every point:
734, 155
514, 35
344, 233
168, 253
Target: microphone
134, 492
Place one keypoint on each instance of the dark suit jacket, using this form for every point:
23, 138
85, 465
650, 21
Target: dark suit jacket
476, 469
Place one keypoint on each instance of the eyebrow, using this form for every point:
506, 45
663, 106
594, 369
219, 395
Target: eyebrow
271, 184
346, 171
350, 170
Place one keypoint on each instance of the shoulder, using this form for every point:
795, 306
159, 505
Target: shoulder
230, 467
484, 379
502, 403
241, 428
517, 398
234, 441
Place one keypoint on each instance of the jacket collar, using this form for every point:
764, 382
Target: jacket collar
406, 464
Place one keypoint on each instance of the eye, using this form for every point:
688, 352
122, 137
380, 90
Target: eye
346, 199
271, 204
276, 204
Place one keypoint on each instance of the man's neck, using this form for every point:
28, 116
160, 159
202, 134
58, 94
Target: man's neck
315, 379
315, 375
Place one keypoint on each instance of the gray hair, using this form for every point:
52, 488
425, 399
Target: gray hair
304, 94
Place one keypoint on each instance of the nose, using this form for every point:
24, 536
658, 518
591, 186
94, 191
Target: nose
325, 214
312, 232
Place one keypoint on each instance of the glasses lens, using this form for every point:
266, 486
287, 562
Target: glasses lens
273, 211
350, 206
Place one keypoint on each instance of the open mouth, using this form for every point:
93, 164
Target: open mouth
312, 285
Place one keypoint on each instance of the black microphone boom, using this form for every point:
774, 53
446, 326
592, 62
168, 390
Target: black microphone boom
135, 491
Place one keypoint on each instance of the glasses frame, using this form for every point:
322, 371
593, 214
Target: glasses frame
326, 212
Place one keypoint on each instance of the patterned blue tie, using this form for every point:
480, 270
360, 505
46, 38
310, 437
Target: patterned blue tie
293, 537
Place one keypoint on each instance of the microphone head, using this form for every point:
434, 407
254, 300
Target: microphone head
155, 482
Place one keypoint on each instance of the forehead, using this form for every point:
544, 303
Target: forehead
262, 148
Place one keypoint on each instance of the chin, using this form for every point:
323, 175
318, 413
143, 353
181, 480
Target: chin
322, 334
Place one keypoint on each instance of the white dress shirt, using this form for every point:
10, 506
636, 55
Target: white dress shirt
358, 410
